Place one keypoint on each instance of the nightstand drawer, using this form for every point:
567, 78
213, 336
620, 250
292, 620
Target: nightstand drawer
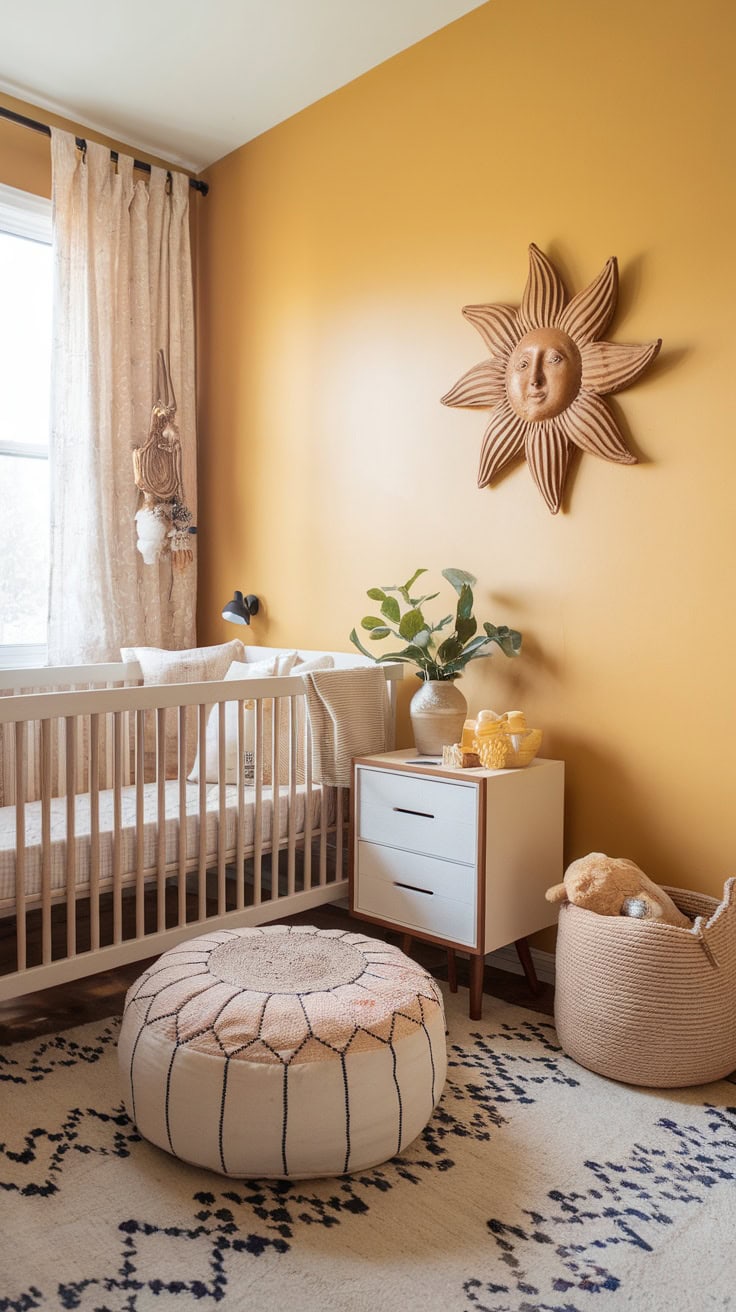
410, 909
395, 866
419, 814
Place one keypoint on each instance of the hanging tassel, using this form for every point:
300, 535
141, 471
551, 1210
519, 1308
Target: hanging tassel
180, 547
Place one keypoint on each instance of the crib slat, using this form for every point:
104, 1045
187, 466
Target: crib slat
202, 812
94, 822
308, 803
117, 827
140, 773
339, 830
45, 841
20, 844
275, 796
324, 796
127, 720
182, 834
258, 805
222, 817
70, 732
161, 818
240, 836
291, 817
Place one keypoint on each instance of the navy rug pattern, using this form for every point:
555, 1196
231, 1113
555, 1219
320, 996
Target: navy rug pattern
535, 1187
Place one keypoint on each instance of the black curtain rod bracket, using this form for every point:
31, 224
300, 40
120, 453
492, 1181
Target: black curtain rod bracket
194, 183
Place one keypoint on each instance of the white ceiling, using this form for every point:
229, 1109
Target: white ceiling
190, 80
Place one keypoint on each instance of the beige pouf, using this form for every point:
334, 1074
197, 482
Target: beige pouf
283, 1051
649, 1003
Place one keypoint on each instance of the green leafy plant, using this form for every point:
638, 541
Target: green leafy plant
402, 617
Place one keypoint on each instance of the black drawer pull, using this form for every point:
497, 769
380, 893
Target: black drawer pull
405, 810
413, 888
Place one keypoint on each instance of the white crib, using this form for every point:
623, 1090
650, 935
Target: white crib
104, 860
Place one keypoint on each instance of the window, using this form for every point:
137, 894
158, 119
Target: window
25, 369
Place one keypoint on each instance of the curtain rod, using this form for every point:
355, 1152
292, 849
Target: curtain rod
194, 183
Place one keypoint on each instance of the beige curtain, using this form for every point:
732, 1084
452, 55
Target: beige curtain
122, 290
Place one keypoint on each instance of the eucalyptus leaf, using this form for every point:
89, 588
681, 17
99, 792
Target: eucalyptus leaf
382, 632
465, 628
465, 603
391, 609
414, 578
411, 624
509, 640
459, 578
376, 594
450, 650
474, 648
371, 622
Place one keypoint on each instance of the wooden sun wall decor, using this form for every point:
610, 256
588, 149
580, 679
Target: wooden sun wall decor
547, 374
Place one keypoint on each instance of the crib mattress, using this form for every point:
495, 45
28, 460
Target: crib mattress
150, 827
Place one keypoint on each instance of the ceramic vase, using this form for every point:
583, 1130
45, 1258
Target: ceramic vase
438, 711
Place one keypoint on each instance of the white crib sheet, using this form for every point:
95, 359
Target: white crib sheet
128, 861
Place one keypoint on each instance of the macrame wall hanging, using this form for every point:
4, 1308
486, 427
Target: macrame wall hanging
164, 523
547, 375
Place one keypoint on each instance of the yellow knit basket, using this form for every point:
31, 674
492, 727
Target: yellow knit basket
647, 1003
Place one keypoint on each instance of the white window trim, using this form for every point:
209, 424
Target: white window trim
23, 214
23, 656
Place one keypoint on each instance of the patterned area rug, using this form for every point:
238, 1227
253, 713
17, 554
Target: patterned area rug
536, 1187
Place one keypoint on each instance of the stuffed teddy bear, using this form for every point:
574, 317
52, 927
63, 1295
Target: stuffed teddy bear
613, 886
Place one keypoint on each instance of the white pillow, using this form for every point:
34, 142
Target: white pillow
238, 670
193, 665
278, 666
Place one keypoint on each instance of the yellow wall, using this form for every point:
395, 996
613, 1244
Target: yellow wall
335, 254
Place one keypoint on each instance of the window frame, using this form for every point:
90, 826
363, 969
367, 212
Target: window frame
23, 214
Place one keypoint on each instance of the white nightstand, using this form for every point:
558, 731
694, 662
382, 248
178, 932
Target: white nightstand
461, 858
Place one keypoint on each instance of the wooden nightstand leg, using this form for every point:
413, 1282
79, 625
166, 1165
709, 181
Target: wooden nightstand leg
525, 957
477, 967
452, 970
406, 944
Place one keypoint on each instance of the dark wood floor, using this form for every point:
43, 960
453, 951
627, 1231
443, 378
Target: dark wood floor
102, 995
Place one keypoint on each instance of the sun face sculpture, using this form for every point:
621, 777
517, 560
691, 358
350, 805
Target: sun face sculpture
547, 375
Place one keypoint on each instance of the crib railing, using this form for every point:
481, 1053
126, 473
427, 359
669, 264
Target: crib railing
147, 883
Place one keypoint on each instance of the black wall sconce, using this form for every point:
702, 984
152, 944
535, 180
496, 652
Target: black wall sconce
240, 609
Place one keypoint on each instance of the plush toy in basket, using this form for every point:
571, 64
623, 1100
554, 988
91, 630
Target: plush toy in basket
614, 886
645, 977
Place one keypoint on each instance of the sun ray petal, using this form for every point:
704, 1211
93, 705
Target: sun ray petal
590, 312
502, 441
590, 425
498, 325
548, 456
481, 386
611, 366
544, 295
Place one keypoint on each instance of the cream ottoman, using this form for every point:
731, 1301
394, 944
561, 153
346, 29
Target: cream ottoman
283, 1051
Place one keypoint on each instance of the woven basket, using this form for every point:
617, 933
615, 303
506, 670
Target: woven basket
648, 1003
